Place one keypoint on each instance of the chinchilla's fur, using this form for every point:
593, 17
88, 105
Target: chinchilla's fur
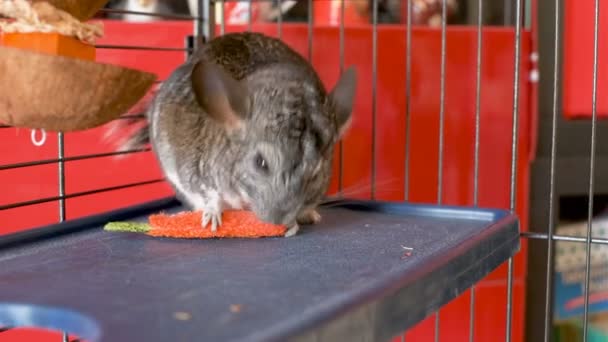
246, 123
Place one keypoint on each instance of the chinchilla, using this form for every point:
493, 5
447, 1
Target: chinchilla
246, 123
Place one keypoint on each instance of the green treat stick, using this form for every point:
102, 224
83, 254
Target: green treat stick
133, 227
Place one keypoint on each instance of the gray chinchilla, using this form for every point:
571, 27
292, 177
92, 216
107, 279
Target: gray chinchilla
246, 123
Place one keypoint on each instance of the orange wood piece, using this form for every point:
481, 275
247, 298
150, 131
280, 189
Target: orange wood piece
235, 224
49, 43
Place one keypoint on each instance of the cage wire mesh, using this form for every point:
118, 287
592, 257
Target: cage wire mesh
204, 26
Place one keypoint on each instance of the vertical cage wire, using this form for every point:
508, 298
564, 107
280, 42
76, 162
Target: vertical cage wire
514, 138
550, 228
210, 20
61, 174
341, 144
280, 19
198, 29
476, 153
374, 94
441, 101
478, 69
591, 169
441, 127
204, 21
249, 15
514, 144
61, 183
223, 17
61, 189
408, 98
310, 27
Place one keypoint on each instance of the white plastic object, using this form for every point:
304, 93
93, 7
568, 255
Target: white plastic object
38, 142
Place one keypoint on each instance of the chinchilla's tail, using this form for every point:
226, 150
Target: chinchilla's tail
137, 140
130, 133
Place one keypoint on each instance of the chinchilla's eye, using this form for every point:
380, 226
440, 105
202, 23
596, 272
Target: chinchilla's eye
261, 163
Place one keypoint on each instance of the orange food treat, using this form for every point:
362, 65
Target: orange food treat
49, 43
235, 224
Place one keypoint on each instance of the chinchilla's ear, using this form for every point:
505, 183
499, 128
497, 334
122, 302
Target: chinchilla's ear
342, 97
221, 96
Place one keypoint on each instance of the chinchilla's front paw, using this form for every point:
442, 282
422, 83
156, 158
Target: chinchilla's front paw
213, 217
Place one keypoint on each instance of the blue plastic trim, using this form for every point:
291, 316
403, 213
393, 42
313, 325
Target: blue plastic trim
37, 316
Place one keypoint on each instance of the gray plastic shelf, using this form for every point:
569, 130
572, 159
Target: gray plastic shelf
348, 277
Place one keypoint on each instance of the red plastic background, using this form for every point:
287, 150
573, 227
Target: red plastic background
495, 148
578, 60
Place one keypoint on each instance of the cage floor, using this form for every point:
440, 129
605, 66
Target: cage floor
348, 278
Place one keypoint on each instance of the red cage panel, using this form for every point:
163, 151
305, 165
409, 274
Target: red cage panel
577, 63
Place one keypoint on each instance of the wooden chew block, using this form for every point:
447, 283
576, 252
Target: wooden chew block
49, 43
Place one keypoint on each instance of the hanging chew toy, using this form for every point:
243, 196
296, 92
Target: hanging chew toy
48, 61
187, 225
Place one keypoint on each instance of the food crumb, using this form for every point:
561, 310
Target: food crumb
407, 252
182, 316
235, 308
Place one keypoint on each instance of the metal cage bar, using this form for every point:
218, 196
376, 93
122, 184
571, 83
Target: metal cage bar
280, 19
61, 174
310, 28
68, 159
408, 98
476, 152
77, 194
205, 26
223, 16
559, 237
340, 143
591, 168
249, 15
514, 145
550, 228
374, 94
444, 14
